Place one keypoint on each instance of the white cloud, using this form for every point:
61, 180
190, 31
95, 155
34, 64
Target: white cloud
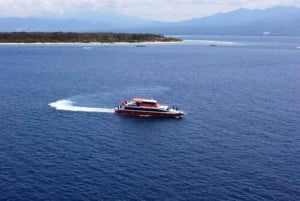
154, 9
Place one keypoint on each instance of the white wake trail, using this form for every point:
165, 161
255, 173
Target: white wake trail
67, 105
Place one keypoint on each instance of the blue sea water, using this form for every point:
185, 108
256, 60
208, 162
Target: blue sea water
240, 140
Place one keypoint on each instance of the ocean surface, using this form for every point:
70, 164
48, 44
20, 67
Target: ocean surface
240, 139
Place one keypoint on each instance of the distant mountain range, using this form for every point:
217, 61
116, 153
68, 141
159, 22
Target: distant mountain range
276, 21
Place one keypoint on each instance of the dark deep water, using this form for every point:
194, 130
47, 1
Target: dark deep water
239, 141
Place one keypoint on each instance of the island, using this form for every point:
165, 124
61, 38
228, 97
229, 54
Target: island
74, 37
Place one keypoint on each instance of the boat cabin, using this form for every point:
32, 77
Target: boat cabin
145, 102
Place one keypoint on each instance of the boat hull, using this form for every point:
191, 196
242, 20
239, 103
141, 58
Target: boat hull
177, 114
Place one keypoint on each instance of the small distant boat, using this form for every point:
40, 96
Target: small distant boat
147, 108
140, 45
298, 47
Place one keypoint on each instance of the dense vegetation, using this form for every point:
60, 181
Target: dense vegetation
70, 37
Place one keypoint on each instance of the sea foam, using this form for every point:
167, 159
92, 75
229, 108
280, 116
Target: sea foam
211, 43
68, 105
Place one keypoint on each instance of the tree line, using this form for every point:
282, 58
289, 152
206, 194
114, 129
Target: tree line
71, 37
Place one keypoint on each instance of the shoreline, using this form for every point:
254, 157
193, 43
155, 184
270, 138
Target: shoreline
96, 43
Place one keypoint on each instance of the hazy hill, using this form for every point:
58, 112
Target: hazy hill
48, 25
277, 21
82, 22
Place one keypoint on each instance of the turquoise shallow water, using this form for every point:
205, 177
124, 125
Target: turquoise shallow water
239, 140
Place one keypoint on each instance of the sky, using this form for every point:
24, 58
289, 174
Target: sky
162, 10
